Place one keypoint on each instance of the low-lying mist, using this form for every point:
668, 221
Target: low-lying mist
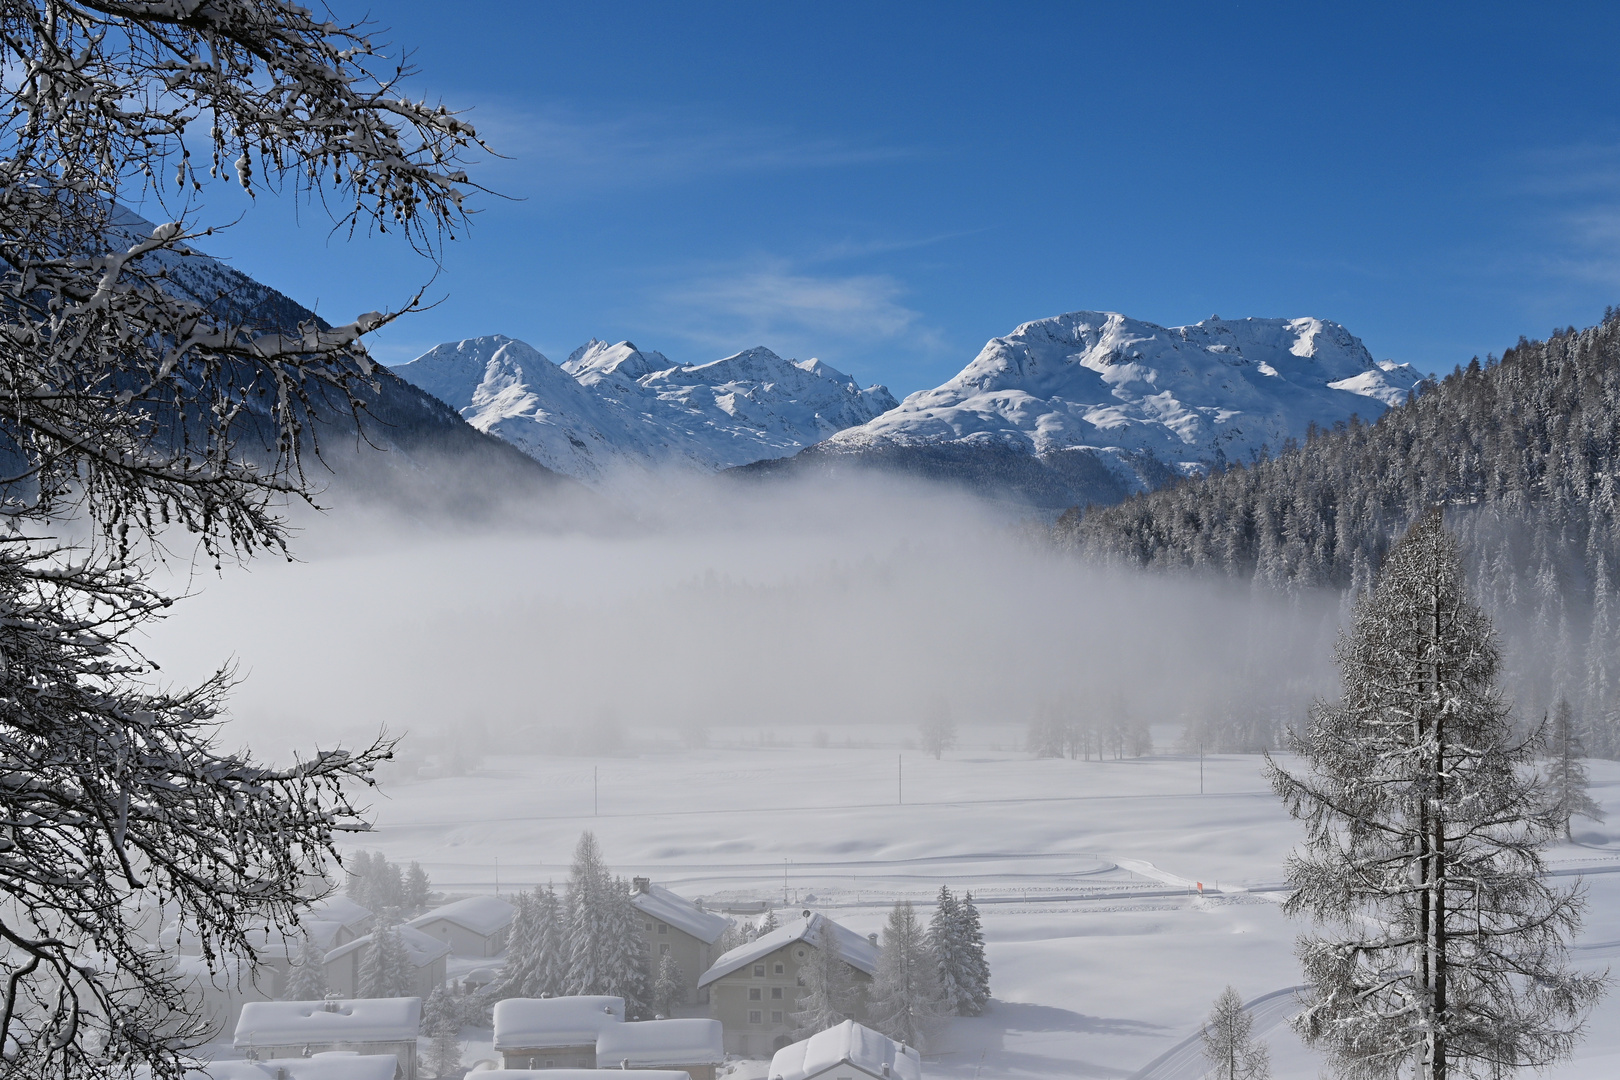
700, 604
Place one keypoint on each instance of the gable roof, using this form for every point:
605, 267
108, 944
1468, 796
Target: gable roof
659, 903
339, 909
331, 1065
286, 1023
858, 952
570, 1074
558, 1021
485, 915
422, 949
848, 1043
648, 1043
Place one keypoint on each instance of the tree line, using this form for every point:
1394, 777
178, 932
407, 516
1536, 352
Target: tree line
1524, 454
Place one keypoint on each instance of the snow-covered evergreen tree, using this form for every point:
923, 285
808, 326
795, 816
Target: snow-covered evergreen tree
828, 984
357, 867
905, 989
307, 979
625, 952
766, 925
1566, 772
385, 969
1441, 946
666, 991
417, 889
441, 1022
956, 975
972, 938
1230, 1047
591, 920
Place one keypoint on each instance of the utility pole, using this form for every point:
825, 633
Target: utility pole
596, 804
497, 875
1200, 768
900, 779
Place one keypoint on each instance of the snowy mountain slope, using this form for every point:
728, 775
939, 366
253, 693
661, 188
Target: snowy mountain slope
611, 406
1188, 395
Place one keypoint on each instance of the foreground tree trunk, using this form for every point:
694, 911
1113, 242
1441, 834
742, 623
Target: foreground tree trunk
1442, 948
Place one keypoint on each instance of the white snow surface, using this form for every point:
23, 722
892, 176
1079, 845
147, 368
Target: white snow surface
613, 406
651, 1043
422, 949
481, 914
561, 1021
331, 1065
339, 909
1185, 394
853, 949
278, 1023
659, 903
848, 1043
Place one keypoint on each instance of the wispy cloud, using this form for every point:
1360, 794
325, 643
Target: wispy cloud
561, 151
1575, 191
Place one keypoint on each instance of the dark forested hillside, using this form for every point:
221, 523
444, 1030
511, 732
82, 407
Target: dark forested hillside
1522, 452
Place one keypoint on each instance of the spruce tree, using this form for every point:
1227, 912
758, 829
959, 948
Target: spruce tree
441, 1022
358, 870
385, 970
625, 952
417, 888
666, 992
828, 982
306, 981
905, 989
1566, 772
1441, 947
590, 919
766, 925
1230, 1047
549, 975
972, 937
950, 955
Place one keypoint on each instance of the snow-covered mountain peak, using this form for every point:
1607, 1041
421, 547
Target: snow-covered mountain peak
597, 360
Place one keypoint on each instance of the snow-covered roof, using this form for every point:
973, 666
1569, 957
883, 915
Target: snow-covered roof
283, 1023
661, 1042
857, 951
847, 1044
422, 948
570, 1074
339, 909
659, 903
332, 1065
267, 942
484, 915
558, 1021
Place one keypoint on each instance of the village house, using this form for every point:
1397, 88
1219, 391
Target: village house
695, 1047
330, 1065
672, 925
474, 927
553, 1033
268, 1030
846, 1052
754, 989
426, 955
353, 919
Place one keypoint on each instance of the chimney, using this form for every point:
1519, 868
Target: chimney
872, 938
885, 1070
641, 885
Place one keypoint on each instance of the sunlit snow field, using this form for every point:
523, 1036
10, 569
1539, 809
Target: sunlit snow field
1102, 956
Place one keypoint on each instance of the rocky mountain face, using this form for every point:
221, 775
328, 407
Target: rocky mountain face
611, 407
1091, 406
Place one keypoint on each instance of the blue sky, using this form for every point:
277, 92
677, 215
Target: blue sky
886, 186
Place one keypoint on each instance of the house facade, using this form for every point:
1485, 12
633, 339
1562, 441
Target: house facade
672, 925
754, 989
695, 1047
553, 1033
474, 927
427, 957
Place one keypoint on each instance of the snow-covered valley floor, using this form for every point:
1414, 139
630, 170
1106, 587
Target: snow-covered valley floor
1104, 956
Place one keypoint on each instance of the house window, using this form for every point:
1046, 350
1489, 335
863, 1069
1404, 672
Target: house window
649, 924
759, 971
754, 994
754, 1016
776, 993
663, 948
779, 969
663, 928
776, 1017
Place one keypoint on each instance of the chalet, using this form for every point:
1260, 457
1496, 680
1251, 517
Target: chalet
754, 989
426, 954
268, 1030
674, 926
695, 1047
474, 927
352, 919
330, 1065
846, 1052
553, 1033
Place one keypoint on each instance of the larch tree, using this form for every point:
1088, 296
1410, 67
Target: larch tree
1230, 1047
1439, 946
905, 988
828, 984
1566, 772
938, 729
139, 419
306, 981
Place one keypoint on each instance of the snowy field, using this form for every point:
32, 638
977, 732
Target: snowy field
1103, 955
